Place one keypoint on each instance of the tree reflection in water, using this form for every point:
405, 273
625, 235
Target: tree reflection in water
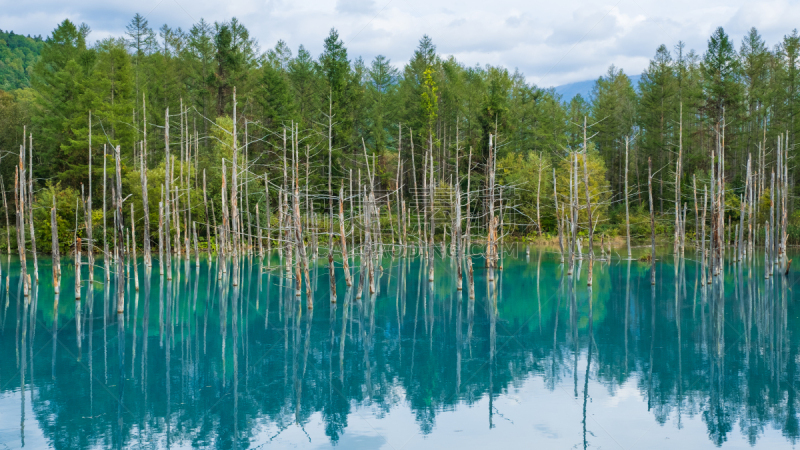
201, 362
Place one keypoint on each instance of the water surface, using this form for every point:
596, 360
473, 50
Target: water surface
535, 359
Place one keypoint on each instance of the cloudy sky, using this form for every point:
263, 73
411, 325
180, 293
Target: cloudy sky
551, 42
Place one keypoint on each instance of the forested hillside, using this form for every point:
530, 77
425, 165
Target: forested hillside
745, 93
18, 54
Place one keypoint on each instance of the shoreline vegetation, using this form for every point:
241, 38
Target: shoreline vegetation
143, 144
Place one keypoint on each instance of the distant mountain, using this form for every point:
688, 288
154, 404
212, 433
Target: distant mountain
568, 91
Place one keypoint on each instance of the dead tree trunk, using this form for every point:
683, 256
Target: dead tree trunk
627, 206
56, 255
559, 222
588, 202
8, 224
345, 266
652, 223
133, 248
146, 211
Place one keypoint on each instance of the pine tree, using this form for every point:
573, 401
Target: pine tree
788, 56
410, 89
381, 86
141, 40
280, 56
306, 85
688, 79
60, 79
613, 114
720, 77
109, 94
275, 97
494, 110
659, 104
334, 69
201, 58
576, 110
755, 62
226, 63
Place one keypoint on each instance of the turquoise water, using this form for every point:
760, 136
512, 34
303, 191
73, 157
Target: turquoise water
529, 363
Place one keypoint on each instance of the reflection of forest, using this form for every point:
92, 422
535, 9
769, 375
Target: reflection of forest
199, 361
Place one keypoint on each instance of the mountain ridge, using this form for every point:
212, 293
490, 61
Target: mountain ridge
584, 88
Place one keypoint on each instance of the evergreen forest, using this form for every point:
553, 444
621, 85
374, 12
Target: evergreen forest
433, 120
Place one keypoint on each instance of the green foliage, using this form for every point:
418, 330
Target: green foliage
411, 86
443, 195
343, 91
18, 54
786, 99
659, 112
430, 100
640, 224
793, 228
65, 203
613, 113
432, 97
60, 80
721, 75
275, 97
306, 85
108, 95
222, 134
521, 174
599, 190
235, 56
381, 93
13, 116
733, 206
763, 207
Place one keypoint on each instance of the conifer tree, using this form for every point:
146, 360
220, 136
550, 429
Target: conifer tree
788, 77
381, 115
720, 77
334, 69
613, 114
61, 78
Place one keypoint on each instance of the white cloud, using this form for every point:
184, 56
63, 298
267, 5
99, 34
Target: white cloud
355, 6
552, 43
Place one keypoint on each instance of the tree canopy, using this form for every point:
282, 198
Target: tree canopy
433, 101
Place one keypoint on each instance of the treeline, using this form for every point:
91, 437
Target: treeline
434, 103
